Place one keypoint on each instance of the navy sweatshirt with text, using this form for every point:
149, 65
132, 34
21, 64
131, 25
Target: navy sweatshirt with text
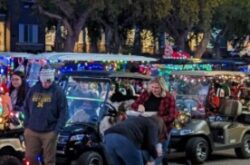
45, 109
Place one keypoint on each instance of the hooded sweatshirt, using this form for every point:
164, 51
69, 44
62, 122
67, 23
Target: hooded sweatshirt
45, 109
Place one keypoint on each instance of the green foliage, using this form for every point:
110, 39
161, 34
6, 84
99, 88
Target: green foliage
233, 18
3, 4
70, 9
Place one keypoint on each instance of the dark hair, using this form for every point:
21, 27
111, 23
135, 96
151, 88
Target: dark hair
22, 89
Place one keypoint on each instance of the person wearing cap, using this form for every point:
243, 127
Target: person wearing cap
45, 109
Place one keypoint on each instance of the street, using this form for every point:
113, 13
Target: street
224, 157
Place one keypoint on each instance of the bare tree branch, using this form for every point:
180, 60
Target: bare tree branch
82, 18
48, 14
64, 7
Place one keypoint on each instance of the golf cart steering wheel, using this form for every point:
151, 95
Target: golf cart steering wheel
110, 110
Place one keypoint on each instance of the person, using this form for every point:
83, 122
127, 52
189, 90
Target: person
18, 89
45, 109
119, 96
134, 134
5, 105
86, 106
157, 99
113, 117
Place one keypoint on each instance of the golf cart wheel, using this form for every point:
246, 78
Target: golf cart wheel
197, 150
244, 150
90, 158
9, 159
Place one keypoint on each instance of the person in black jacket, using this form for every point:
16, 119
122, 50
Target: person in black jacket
125, 141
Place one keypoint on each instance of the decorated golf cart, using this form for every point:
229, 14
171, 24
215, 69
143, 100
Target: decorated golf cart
198, 132
11, 131
88, 94
69, 61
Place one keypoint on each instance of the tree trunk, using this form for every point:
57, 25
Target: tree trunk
94, 46
58, 38
161, 41
73, 32
217, 46
116, 42
203, 45
137, 41
69, 43
181, 40
108, 39
84, 46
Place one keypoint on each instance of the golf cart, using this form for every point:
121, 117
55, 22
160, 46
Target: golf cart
199, 136
12, 144
80, 140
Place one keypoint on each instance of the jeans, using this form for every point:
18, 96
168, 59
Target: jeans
121, 150
165, 148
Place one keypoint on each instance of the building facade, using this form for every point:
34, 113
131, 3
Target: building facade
21, 28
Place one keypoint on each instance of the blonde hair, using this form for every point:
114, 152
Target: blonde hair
161, 82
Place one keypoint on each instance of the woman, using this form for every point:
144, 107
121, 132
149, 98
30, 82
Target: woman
18, 90
157, 99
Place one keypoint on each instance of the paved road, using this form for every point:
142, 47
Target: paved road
225, 157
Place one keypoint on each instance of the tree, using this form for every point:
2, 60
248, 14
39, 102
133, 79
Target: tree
206, 14
3, 4
233, 23
73, 15
148, 15
181, 20
118, 17
190, 16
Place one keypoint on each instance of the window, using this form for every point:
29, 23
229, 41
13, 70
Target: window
2, 36
28, 33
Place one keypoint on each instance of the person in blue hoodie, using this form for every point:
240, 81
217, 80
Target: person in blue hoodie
45, 109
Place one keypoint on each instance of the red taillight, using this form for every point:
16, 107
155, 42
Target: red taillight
12, 114
26, 162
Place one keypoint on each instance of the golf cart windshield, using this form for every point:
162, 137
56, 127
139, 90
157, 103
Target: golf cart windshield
191, 94
85, 99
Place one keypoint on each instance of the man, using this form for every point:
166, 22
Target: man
45, 110
124, 141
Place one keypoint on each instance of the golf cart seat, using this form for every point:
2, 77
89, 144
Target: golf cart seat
229, 108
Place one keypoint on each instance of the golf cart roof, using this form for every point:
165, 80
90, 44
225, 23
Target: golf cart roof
209, 73
70, 56
129, 75
201, 61
105, 74
17, 55
86, 74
